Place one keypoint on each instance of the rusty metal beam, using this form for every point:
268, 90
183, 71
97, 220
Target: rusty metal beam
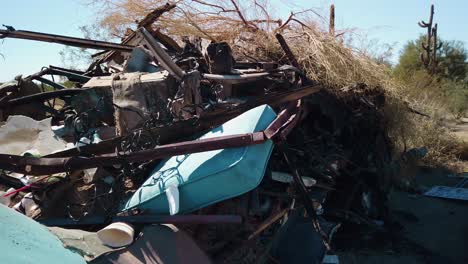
285, 122
41, 97
273, 99
51, 83
294, 110
287, 50
158, 52
167, 41
151, 17
146, 22
65, 40
239, 78
47, 166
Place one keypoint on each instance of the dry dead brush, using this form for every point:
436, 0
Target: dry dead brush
250, 28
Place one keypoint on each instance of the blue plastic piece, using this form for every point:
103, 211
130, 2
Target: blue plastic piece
212, 176
26, 241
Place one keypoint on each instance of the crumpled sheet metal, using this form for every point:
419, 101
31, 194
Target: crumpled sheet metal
22, 133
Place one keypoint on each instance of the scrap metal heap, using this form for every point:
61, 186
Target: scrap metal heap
145, 101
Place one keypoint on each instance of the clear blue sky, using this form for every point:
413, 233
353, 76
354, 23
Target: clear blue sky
51, 16
388, 21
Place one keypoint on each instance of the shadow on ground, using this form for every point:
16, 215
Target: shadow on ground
431, 230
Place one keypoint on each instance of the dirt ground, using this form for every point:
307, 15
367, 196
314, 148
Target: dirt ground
459, 128
432, 230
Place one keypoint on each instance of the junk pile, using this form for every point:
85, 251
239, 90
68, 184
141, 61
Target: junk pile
186, 154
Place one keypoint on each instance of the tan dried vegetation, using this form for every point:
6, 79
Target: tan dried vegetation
250, 27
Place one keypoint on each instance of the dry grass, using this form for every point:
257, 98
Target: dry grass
326, 59
250, 28
408, 130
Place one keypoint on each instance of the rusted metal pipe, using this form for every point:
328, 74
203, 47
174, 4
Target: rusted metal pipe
232, 78
46, 166
51, 83
65, 40
163, 58
41, 97
151, 17
287, 50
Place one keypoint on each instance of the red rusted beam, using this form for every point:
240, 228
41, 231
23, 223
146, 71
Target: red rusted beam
45, 166
41, 97
65, 40
151, 17
285, 121
287, 50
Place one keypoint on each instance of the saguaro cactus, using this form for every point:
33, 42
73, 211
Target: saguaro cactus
331, 29
429, 57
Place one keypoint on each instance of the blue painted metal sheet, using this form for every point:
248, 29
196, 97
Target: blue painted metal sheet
212, 176
26, 241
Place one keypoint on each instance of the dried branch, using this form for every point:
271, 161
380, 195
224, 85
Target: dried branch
266, 21
340, 34
265, 12
215, 6
301, 23
287, 21
242, 16
192, 23
291, 18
